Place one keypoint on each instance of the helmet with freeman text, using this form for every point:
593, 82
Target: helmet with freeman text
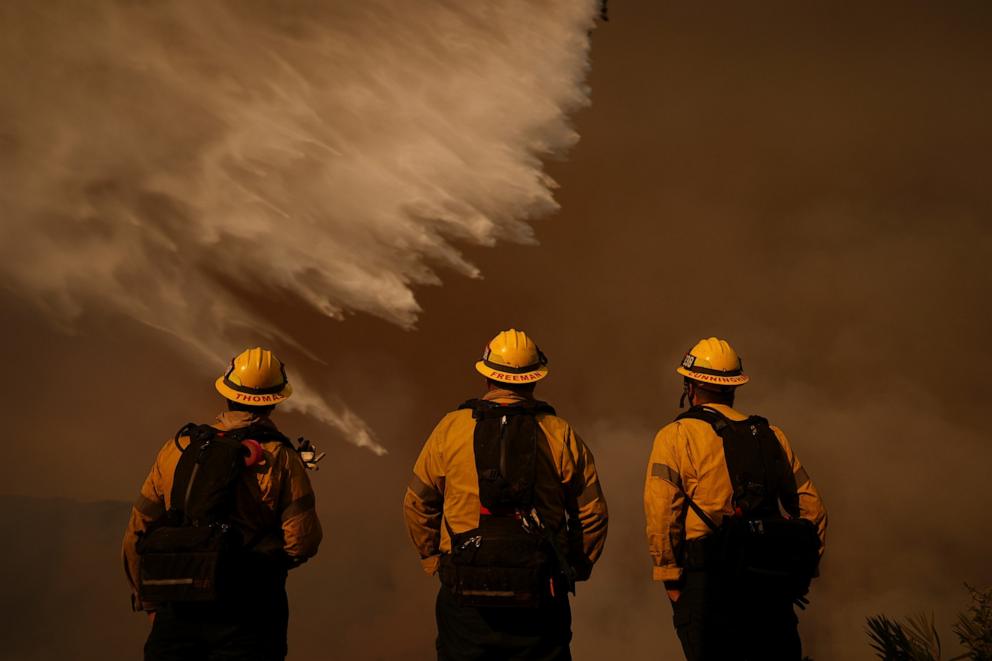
513, 357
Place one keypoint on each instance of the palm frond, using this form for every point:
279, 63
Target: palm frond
892, 642
923, 633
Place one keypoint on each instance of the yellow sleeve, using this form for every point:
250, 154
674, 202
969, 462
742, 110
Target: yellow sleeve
592, 514
810, 504
423, 503
664, 504
149, 507
301, 529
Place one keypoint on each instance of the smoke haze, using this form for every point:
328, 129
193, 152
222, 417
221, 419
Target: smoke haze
174, 161
810, 182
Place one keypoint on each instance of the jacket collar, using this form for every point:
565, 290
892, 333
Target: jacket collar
505, 396
229, 420
726, 411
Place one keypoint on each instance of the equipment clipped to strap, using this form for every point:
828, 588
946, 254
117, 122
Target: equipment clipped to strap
757, 547
512, 558
309, 453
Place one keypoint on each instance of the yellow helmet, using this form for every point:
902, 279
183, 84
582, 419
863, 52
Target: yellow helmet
512, 357
256, 378
713, 361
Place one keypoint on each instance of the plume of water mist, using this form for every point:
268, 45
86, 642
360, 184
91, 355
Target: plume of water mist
308, 402
305, 400
163, 159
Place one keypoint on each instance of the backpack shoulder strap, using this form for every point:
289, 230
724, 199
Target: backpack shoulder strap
717, 420
196, 433
755, 460
775, 463
719, 424
538, 406
704, 517
484, 408
259, 433
479, 407
183, 476
713, 418
199, 433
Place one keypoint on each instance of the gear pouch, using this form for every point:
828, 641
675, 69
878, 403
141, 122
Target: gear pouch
773, 556
183, 564
498, 564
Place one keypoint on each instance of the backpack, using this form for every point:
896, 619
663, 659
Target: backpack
191, 554
757, 550
511, 559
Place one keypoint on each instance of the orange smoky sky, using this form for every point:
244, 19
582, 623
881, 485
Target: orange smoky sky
809, 181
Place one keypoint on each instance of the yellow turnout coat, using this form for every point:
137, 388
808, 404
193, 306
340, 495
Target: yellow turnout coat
277, 496
445, 484
688, 454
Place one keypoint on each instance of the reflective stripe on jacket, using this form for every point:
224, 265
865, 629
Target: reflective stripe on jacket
277, 496
688, 455
445, 483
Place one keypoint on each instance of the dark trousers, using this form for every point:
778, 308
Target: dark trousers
714, 623
503, 634
246, 629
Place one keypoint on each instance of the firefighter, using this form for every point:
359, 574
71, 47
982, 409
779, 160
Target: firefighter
506, 506
691, 500
273, 511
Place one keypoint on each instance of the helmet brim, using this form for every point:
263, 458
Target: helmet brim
511, 377
736, 380
251, 399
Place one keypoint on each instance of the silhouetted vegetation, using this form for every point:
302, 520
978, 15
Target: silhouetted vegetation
917, 639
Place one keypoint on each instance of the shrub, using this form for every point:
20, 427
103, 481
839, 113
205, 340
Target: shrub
917, 639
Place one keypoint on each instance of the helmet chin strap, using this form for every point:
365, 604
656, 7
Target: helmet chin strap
685, 393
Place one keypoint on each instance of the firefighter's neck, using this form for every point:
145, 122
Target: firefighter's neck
496, 390
244, 416
254, 411
701, 397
